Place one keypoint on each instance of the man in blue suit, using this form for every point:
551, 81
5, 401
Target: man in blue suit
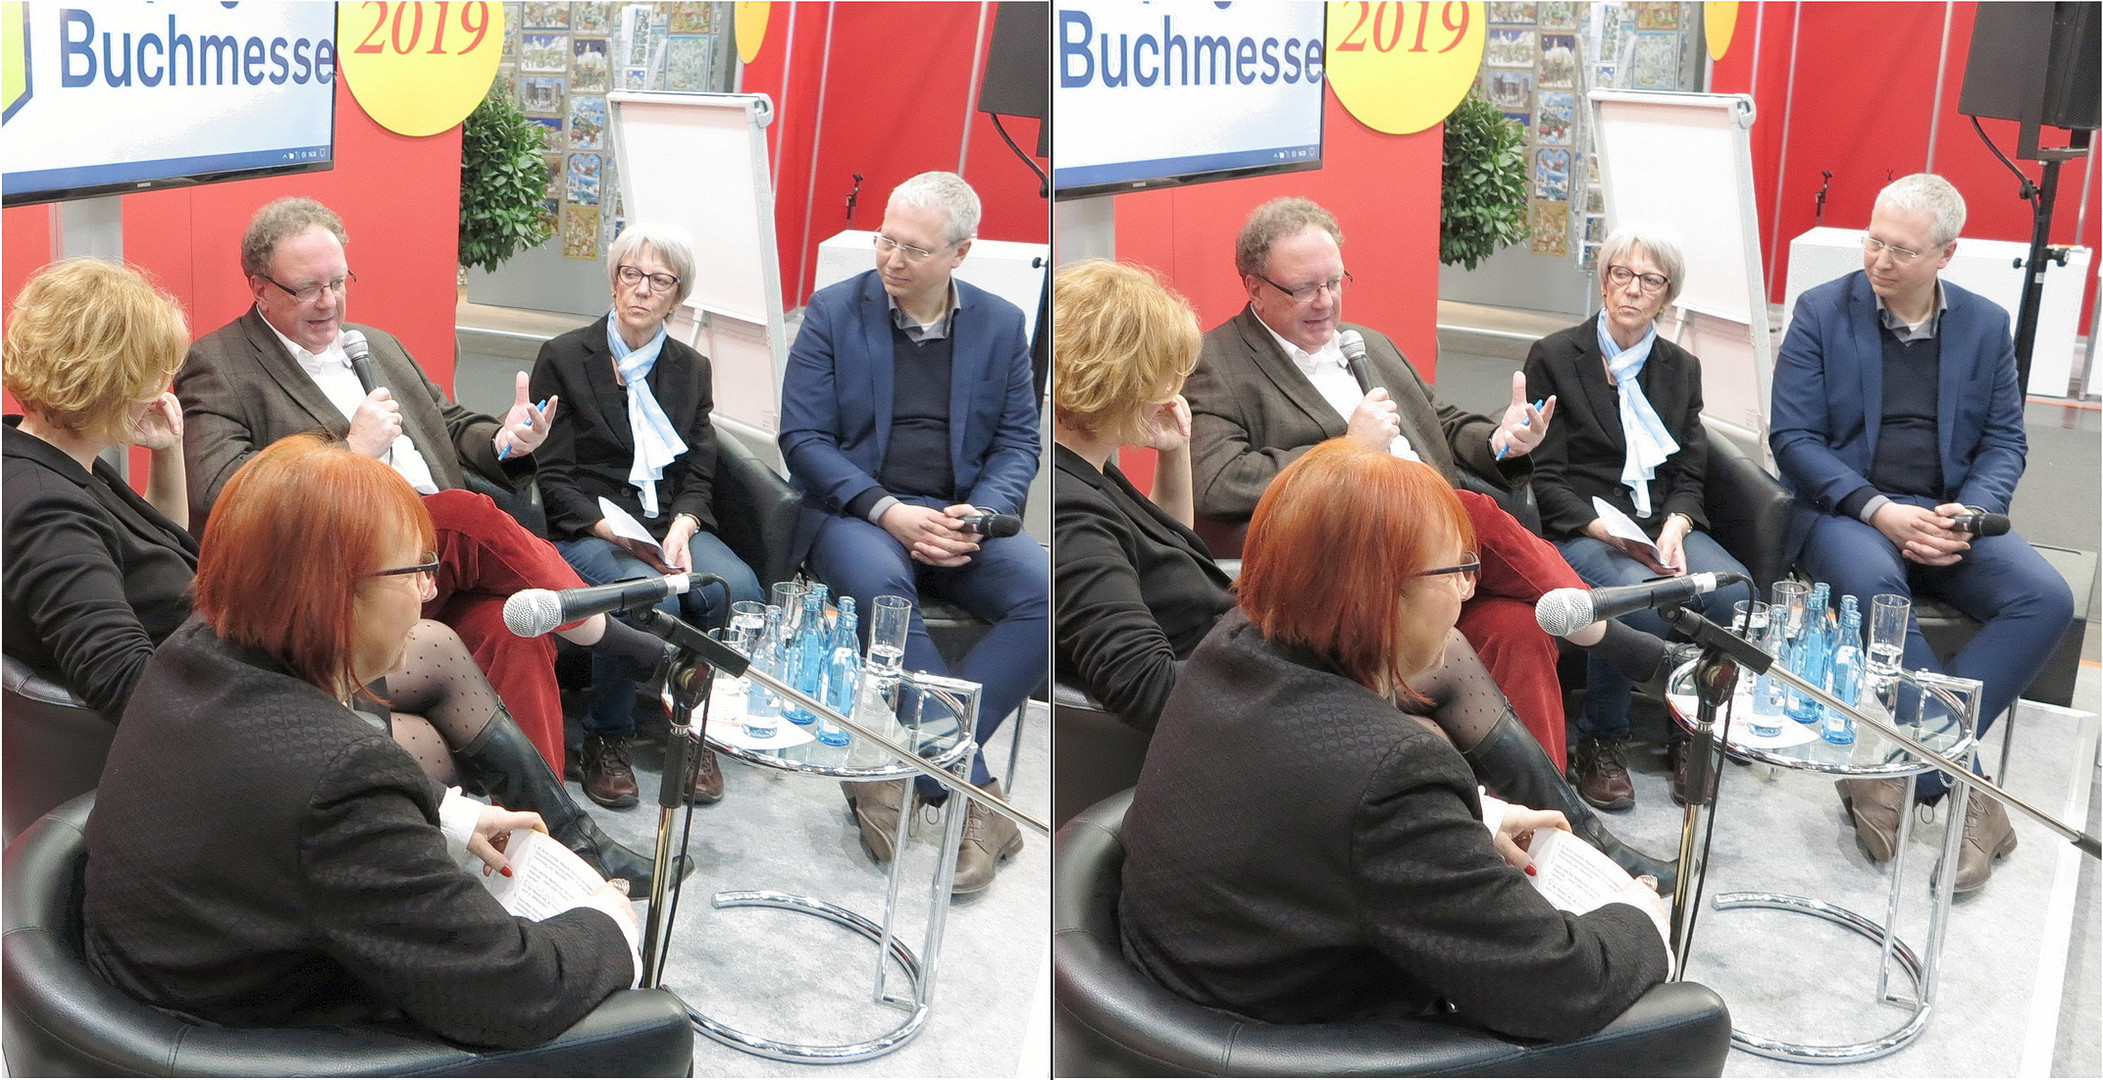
1895, 407
908, 404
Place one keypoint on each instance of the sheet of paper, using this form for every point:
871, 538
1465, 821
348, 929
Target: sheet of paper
1573, 875
624, 523
1623, 526
546, 878
733, 734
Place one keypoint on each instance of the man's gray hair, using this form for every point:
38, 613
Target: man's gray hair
671, 244
1662, 249
944, 191
1929, 194
1274, 221
278, 220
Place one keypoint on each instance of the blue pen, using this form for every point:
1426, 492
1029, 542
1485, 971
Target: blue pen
1528, 422
506, 451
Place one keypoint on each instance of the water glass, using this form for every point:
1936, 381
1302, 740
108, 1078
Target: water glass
1749, 621
1786, 609
788, 596
1890, 615
891, 619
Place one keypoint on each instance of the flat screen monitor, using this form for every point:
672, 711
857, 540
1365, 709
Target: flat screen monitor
1154, 94
113, 97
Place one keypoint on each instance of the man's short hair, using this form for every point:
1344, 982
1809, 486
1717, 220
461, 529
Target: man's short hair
1274, 221
1662, 249
944, 191
278, 220
1928, 194
671, 244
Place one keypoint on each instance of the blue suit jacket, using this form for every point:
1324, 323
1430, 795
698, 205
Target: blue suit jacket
836, 400
1829, 398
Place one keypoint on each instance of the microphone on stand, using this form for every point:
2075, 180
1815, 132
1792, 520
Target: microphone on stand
360, 354
533, 612
1353, 345
1561, 612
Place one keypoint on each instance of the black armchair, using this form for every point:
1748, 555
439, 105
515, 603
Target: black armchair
1099, 754
756, 510
61, 1019
53, 745
1748, 511
1114, 1021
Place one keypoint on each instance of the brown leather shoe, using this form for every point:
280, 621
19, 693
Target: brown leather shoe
989, 838
1599, 772
608, 777
1677, 755
1875, 805
705, 779
1987, 836
875, 806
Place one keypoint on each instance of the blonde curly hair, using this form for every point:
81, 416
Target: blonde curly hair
1122, 342
87, 340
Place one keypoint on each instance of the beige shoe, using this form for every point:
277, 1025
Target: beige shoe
1987, 836
989, 838
1875, 806
876, 806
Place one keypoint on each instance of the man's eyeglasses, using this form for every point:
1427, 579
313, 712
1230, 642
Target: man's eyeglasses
631, 276
885, 245
1465, 572
1622, 275
1875, 247
1305, 293
307, 294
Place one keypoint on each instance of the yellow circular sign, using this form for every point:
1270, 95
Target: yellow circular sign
419, 68
1401, 67
750, 27
1719, 18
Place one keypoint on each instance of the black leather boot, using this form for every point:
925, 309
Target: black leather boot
508, 767
1510, 762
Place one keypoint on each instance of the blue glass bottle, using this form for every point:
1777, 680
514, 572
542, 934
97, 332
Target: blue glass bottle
1838, 727
843, 674
762, 708
1809, 657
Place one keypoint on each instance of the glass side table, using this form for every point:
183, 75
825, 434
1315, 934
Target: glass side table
1938, 711
933, 716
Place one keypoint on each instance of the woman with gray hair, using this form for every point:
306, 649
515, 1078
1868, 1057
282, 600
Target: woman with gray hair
635, 432
1629, 434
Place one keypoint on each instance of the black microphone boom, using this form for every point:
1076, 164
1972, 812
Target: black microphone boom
533, 612
1562, 612
360, 355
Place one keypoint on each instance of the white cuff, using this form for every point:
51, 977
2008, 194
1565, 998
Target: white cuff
604, 903
457, 817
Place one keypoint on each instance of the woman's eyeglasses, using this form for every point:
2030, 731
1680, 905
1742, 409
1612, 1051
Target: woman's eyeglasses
1464, 572
426, 573
631, 276
1622, 275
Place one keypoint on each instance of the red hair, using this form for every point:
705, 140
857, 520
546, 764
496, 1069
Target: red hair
293, 534
1334, 540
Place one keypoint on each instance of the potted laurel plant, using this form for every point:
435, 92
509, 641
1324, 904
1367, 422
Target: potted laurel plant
502, 181
1483, 194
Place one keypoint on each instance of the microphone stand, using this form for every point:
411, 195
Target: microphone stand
687, 687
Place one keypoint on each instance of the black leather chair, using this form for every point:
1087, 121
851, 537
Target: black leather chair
1099, 754
63, 1020
1748, 511
1114, 1021
52, 745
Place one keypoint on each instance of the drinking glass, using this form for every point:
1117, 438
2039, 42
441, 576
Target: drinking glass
1890, 615
788, 596
1749, 621
888, 624
1787, 607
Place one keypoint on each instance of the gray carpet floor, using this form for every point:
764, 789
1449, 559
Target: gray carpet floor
796, 978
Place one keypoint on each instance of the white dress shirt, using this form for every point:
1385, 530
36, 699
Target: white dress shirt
1325, 368
331, 371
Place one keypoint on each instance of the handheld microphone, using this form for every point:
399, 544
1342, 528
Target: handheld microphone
992, 526
1353, 345
360, 354
1566, 611
1980, 523
533, 612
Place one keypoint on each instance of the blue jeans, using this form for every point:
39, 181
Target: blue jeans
1607, 691
599, 563
1007, 583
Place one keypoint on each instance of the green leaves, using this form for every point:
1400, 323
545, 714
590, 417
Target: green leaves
1483, 192
502, 180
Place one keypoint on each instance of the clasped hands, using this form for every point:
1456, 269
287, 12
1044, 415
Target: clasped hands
934, 537
1927, 537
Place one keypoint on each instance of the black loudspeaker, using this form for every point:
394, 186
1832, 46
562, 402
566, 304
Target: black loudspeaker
2036, 63
1017, 79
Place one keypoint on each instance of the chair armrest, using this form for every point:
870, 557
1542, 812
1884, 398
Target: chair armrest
1748, 511
1518, 502
756, 510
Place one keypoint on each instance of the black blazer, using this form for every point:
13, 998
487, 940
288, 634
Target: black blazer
1252, 413
1298, 850
590, 446
1582, 455
96, 576
259, 855
1136, 590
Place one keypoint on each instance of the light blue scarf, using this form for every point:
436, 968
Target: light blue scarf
1649, 444
656, 444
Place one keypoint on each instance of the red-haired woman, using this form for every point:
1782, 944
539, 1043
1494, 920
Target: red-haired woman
1297, 849
262, 851
97, 576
